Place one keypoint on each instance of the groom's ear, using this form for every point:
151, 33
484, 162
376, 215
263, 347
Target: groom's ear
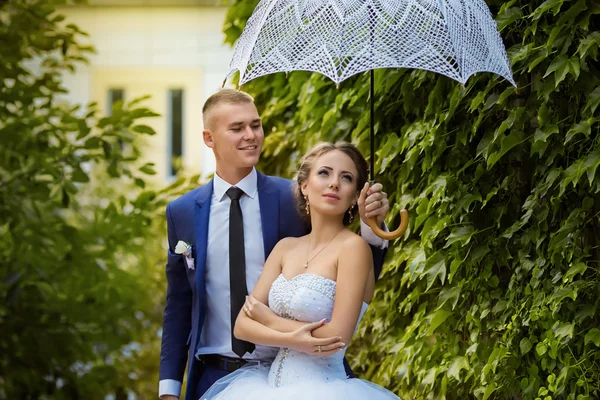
208, 139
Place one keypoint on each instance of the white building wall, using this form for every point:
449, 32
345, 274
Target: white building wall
148, 50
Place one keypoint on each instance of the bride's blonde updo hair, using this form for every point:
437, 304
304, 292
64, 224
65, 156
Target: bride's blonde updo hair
306, 165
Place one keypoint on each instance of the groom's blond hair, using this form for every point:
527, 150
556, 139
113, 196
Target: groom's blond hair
223, 96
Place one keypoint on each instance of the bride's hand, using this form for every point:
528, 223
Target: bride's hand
302, 340
257, 311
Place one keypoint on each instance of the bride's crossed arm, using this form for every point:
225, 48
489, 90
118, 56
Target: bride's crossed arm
298, 338
355, 268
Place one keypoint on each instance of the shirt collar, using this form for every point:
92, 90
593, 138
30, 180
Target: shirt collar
249, 185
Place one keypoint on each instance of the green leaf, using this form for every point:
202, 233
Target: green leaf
435, 268
562, 293
576, 269
560, 63
457, 365
547, 5
79, 175
592, 41
584, 127
499, 306
593, 99
507, 143
525, 345
541, 348
449, 294
437, 319
107, 148
538, 60
564, 330
148, 169
574, 67
593, 336
462, 235
84, 129
543, 133
430, 376
590, 164
508, 17
489, 389
477, 101
148, 130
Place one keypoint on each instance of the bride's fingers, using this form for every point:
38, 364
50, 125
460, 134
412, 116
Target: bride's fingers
252, 299
247, 308
313, 325
326, 341
330, 347
326, 353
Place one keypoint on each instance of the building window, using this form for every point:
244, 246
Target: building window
114, 95
175, 129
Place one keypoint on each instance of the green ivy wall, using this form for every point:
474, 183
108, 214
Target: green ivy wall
493, 292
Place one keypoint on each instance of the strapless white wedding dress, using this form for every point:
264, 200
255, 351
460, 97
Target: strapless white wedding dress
293, 374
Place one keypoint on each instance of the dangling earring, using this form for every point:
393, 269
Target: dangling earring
307, 205
350, 216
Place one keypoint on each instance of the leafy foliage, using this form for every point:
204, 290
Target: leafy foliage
493, 292
82, 249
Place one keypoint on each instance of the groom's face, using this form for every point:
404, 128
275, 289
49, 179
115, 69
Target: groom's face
235, 134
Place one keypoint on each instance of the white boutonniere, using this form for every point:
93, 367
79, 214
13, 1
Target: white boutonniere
185, 249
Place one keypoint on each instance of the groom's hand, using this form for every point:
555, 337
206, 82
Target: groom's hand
373, 202
302, 340
169, 397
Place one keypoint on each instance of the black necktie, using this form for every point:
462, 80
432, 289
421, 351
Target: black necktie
237, 267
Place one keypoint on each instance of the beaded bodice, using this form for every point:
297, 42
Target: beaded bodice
307, 298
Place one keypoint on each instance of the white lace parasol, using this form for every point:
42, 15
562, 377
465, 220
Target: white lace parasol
341, 38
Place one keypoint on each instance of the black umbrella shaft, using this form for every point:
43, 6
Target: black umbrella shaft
372, 159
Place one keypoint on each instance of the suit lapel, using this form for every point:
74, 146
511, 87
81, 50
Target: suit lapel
269, 212
201, 219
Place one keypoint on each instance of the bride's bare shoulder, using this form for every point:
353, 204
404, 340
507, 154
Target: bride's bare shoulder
288, 243
354, 243
352, 238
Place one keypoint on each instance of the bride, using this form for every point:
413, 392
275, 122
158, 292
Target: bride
325, 278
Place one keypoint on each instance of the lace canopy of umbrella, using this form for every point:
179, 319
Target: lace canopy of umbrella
342, 38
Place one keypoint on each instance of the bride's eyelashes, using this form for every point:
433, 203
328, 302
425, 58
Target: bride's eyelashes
325, 172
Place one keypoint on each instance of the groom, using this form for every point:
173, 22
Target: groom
239, 206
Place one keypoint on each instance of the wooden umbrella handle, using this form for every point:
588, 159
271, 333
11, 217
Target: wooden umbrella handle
390, 235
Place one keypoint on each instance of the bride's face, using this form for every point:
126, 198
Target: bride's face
331, 185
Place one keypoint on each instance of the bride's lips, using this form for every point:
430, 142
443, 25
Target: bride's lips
331, 196
248, 148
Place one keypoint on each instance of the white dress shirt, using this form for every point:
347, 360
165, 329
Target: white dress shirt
215, 337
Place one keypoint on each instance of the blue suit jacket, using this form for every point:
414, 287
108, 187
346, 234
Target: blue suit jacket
187, 220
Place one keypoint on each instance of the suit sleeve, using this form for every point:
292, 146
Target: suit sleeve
177, 316
378, 258
378, 246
